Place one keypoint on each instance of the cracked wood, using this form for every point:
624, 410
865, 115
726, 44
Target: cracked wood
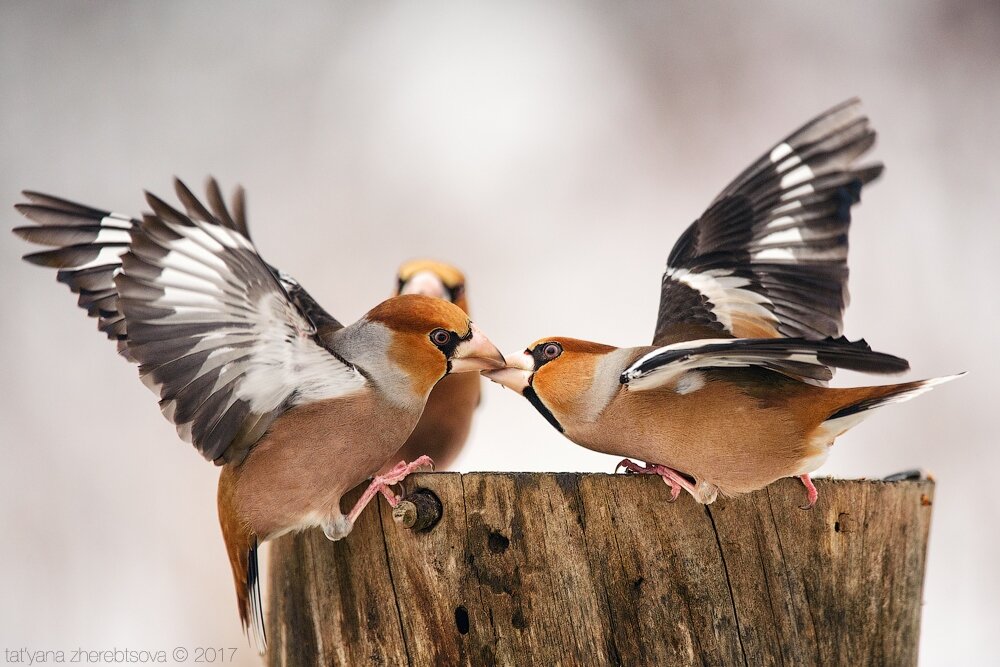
568, 569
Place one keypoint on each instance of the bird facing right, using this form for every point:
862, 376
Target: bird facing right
294, 406
732, 394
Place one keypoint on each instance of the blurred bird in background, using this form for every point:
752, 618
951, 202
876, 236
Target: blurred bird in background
731, 396
444, 426
296, 407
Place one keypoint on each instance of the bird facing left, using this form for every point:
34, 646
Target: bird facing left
296, 407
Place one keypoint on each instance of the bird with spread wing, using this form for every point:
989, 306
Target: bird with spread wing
732, 393
295, 407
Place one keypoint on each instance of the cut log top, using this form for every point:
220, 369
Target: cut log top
593, 569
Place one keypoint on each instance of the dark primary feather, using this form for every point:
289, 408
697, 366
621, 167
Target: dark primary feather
778, 234
236, 220
59, 235
322, 321
182, 293
85, 264
48, 202
73, 230
255, 601
207, 317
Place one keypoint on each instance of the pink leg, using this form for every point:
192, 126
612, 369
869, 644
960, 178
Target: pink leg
675, 480
381, 484
669, 476
811, 493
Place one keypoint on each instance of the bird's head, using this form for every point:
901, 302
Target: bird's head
551, 373
432, 338
436, 279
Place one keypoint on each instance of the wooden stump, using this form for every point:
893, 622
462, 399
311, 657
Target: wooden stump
593, 569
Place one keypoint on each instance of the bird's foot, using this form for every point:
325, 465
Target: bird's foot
674, 479
631, 467
382, 483
811, 493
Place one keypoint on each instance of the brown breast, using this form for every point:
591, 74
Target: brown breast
445, 423
313, 454
740, 432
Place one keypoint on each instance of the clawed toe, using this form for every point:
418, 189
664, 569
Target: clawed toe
633, 468
629, 465
382, 483
671, 477
811, 493
423, 462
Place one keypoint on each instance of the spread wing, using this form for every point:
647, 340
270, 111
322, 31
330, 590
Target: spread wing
226, 341
672, 366
769, 256
88, 245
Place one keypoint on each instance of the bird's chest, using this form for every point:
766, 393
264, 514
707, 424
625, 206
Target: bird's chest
633, 424
315, 453
699, 433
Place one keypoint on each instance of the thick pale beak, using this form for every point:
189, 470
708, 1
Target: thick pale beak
517, 373
476, 354
426, 283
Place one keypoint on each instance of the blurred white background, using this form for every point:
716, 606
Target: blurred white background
553, 151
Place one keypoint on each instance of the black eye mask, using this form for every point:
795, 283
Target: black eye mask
539, 357
453, 293
448, 349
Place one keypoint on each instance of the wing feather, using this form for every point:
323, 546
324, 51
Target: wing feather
225, 340
810, 360
769, 256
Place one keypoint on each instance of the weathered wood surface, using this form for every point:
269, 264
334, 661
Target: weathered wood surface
591, 569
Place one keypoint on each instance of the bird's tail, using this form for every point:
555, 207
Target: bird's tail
856, 404
241, 545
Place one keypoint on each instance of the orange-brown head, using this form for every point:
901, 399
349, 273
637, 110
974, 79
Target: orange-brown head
431, 338
431, 278
552, 373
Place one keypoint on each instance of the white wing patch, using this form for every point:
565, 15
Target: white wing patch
658, 376
781, 226
781, 151
217, 336
729, 301
225, 346
673, 366
286, 360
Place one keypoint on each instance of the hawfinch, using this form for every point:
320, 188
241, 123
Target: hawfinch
447, 418
296, 407
731, 396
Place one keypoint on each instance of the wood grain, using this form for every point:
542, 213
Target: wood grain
571, 569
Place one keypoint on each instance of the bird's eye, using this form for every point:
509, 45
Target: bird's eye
551, 350
440, 337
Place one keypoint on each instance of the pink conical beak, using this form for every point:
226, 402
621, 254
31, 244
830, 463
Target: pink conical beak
476, 354
517, 372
